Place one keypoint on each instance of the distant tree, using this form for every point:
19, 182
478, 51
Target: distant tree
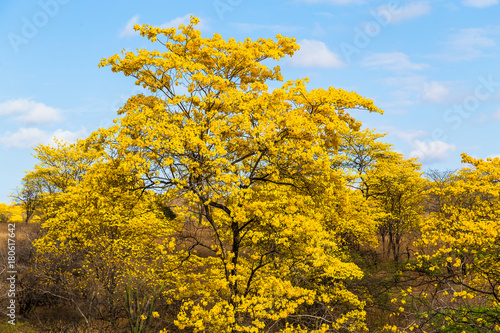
459, 257
27, 196
397, 189
359, 153
437, 179
10, 213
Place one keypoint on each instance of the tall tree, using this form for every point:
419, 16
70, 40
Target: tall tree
248, 172
397, 189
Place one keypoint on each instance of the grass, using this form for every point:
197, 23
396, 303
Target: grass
20, 327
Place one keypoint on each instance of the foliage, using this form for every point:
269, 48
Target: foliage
395, 187
359, 153
12, 213
247, 173
459, 257
27, 197
110, 230
241, 208
140, 312
20, 327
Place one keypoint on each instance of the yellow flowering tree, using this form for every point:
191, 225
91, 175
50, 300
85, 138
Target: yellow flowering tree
103, 235
248, 175
396, 187
459, 255
61, 165
12, 213
359, 153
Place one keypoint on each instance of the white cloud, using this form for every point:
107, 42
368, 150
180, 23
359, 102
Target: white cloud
24, 137
470, 43
408, 136
393, 61
128, 30
435, 92
314, 53
29, 137
174, 23
479, 3
68, 136
334, 2
405, 13
496, 115
433, 151
416, 88
30, 112
411, 82
407, 88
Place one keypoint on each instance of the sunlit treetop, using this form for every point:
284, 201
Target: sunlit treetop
201, 60
210, 96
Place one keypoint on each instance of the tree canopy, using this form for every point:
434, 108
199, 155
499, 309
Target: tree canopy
247, 171
243, 208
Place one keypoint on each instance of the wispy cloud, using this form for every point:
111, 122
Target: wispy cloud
174, 23
417, 88
314, 53
407, 135
26, 137
406, 13
410, 82
392, 61
30, 112
496, 115
435, 92
397, 106
128, 30
471, 43
433, 151
426, 151
404, 91
479, 3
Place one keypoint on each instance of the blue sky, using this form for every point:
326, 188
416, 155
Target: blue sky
433, 66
